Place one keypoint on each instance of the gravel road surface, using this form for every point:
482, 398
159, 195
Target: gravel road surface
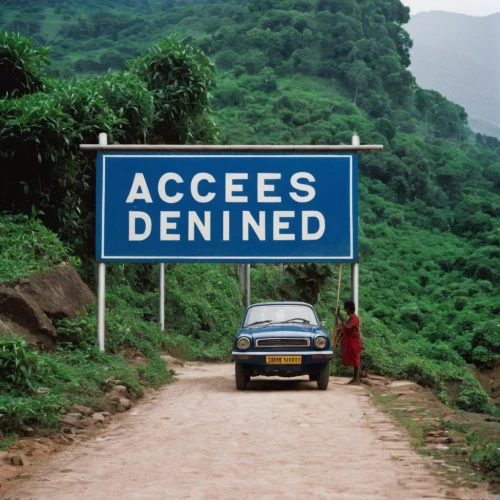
199, 438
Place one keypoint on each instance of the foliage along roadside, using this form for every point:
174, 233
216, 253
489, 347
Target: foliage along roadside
162, 96
202, 315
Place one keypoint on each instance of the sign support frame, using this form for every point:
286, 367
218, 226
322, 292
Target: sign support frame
103, 146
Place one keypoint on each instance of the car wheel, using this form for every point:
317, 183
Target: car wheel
242, 377
324, 377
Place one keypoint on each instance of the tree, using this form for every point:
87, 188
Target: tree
180, 78
20, 65
163, 97
359, 76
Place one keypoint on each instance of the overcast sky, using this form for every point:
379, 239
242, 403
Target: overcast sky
470, 7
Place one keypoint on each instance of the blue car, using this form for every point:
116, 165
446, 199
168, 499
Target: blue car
283, 339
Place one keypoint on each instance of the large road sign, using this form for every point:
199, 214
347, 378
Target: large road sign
226, 207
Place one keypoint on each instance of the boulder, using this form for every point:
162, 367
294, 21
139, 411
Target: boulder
60, 292
84, 410
124, 404
98, 418
25, 317
17, 460
67, 421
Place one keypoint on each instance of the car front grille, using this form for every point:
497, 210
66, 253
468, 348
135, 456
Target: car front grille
283, 342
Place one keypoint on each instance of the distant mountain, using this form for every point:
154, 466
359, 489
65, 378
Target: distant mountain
458, 56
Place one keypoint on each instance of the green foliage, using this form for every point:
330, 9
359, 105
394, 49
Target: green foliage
180, 78
20, 65
472, 399
20, 369
485, 344
27, 246
201, 303
24, 410
164, 97
485, 455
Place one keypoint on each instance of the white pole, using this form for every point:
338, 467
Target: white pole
101, 283
247, 285
162, 296
356, 141
101, 297
355, 285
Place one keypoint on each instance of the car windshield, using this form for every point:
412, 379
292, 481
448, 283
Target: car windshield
280, 313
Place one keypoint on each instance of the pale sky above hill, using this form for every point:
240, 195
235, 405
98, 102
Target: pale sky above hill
470, 7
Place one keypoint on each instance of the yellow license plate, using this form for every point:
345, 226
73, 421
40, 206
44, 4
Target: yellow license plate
283, 360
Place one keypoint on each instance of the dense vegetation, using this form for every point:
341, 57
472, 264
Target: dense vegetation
288, 71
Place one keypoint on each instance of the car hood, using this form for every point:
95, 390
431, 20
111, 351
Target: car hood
282, 331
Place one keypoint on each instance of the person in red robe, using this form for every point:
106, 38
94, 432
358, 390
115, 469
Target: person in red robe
351, 341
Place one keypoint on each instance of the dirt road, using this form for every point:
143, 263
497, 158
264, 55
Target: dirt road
282, 439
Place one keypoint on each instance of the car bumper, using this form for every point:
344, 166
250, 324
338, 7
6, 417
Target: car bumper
259, 358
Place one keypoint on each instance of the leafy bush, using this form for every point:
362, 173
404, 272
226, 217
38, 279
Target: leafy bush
473, 399
27, 246
21, 370
20, 65
486, 455
485, 344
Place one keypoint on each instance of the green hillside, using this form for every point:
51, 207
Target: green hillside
290, 72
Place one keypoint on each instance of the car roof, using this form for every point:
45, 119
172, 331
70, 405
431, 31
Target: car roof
290, 303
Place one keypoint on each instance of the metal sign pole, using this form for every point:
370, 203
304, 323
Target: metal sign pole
356, 141
162, 296
247, 285
101, 283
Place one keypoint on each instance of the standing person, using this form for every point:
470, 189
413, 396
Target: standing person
351, 341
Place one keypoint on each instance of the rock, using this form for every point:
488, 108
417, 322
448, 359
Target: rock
60, 292
78, 416
88, 422
124, 404
439, 440
62, 439
28, 431
34, 325
439, 447
105, 414
99, 418
120, 389
69, 421
68, 430
84, 410
16, 460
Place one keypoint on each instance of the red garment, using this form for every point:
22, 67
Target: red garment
351, 342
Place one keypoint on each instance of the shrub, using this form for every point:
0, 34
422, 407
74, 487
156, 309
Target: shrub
472, 399
21, 370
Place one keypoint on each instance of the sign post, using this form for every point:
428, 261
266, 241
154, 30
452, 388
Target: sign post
238, 204
101, 282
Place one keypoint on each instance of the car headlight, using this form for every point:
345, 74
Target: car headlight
320, 342
243, 343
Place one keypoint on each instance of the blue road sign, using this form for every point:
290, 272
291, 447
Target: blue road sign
226, 207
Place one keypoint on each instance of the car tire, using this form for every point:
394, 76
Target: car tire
242, 377
324, 376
